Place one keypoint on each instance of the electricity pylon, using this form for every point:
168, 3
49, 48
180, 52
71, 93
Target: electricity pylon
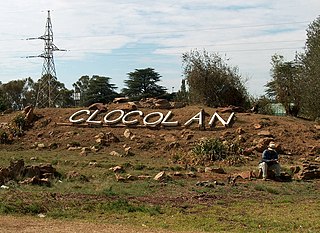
47, 93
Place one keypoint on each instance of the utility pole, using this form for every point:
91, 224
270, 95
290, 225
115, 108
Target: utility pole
46, 93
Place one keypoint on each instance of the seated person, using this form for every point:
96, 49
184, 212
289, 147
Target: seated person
270, 161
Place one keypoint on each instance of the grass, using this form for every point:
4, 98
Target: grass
178, 204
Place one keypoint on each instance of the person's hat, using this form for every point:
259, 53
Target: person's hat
272, 145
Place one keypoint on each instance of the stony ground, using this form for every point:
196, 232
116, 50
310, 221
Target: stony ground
297, 141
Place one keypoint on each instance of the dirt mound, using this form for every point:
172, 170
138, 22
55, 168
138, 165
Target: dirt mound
295, 138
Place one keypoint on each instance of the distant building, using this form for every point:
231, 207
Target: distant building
278, 109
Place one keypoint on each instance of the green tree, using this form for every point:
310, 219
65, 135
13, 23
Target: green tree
81, 87
100, 90
182, 94
13, 93
143, 83
55, 95
211, 81
285, 86
311, 63
30, 92
3, 102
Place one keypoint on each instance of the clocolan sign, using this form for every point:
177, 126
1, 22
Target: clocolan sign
153, 119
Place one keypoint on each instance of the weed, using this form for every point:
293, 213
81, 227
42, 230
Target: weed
4, 137
33, 208
265, 188
140, 167
7, 209
109, 192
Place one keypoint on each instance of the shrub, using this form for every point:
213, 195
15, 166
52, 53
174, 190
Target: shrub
211, 149
214, 149
4, 138
19, 121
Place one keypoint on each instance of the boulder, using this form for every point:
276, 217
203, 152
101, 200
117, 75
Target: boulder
120, 100
162, 104
36, 181
32, 171
98, 106
177, 104
127, 107
309, 171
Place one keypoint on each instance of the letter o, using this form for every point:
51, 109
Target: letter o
115, 121
145, 119
135, 121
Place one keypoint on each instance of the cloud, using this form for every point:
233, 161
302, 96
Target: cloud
112, 37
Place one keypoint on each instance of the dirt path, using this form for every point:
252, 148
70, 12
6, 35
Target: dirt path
10, 224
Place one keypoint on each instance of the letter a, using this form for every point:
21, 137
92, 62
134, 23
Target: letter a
198, 117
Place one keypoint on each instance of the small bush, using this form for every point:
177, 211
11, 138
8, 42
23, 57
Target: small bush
211, 149
4, 137
19, 121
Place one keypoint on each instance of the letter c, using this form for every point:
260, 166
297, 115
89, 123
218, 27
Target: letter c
78, 113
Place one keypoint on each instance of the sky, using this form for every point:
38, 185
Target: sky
114, 37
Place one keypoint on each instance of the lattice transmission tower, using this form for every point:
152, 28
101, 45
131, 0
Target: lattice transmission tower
47, 84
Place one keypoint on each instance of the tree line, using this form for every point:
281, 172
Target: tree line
296, 83
141, 83
208, 80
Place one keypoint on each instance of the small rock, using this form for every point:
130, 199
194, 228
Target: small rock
239, 131
205, 184
128, 151
257, 126
143, 177
265, 133
127, 133
41, 146
207, 169
177, 174
120, 178
114, 153
83, 153
116, 169
41, 215
94, 164
100, 135
191, 174
73, 148
86, 149
160, 176
101, 141
95, 149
